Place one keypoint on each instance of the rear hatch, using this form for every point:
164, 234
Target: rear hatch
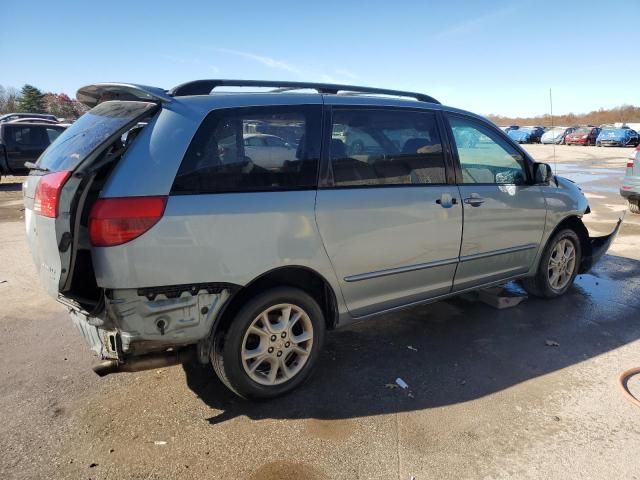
57, 193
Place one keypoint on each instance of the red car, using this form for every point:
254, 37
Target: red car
583, 136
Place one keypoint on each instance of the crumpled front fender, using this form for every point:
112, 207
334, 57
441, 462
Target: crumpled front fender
599, 246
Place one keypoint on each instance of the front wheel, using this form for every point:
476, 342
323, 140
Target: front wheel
272, 345
558, 266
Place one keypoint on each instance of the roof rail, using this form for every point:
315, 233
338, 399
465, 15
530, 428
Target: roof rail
204, 87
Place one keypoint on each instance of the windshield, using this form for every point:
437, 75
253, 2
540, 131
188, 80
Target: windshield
88, 132
583, 130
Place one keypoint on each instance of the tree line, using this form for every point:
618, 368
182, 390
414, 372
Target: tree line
622, 114
30, 99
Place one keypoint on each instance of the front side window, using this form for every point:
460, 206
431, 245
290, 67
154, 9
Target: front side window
230, 151
53, 133
484, 156
385, 147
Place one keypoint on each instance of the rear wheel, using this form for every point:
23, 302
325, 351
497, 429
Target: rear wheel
634, 206
272, 344
558, 266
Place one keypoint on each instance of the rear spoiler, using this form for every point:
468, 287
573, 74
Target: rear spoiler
92, 95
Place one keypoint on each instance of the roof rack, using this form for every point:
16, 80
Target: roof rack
204, 87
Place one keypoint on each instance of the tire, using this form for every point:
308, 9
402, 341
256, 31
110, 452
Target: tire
598, 144
634, 206
227, 354
540, 285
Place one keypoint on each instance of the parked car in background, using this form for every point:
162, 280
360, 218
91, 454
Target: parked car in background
24, 142
617, 137
526, 134
536, 133
556, 135
583, 136
162, 250
630, 189
34, 120
8, 117
268, 151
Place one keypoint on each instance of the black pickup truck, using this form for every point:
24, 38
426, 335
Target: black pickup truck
24, 142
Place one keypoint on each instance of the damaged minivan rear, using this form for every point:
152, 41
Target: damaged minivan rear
236, 228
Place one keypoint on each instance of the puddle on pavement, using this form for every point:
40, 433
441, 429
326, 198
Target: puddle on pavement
329, 429
602, 288
582, 175
287, 471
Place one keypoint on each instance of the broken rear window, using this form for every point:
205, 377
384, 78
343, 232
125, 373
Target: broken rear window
89, 132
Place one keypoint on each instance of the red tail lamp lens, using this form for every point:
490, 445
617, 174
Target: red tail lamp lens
114, 221
47, 197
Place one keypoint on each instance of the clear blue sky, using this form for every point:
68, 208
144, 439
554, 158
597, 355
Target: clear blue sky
501, 57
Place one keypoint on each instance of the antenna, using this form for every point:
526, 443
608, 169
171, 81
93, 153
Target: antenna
553, 142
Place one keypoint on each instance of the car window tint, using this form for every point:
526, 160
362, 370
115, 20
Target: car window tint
254, 142
385, 147
484, 156
53, 133
274, 142
25, 135
228, 153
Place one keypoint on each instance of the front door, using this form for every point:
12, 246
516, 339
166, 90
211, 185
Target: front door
504, 213
389, 221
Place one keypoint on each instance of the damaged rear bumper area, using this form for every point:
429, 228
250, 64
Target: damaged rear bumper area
141, 329
598, 246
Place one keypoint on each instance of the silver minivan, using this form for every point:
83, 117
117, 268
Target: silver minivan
150, 220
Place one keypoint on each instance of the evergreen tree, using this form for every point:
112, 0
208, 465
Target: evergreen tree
31, 100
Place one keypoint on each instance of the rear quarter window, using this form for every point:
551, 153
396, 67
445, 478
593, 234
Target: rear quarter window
228, 153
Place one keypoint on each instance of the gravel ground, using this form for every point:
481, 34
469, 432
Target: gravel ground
490, 397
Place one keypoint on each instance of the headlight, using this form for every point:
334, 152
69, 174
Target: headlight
584, 136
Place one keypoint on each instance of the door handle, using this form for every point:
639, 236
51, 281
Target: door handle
474, 200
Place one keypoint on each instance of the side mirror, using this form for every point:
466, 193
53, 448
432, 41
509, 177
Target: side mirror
542, 173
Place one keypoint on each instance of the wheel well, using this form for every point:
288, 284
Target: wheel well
575, 223
299, 277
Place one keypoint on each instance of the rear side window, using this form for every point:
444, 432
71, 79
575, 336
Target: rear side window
233, 151
385, 147
25, 135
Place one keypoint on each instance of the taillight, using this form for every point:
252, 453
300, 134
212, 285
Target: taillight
630, 164
47, 197
114, 221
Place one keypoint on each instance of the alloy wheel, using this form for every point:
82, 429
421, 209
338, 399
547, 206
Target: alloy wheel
277, 344
562, 264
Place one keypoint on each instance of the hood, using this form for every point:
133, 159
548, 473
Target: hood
618, 134
578, 134
576, 192
519, 134
553, 134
